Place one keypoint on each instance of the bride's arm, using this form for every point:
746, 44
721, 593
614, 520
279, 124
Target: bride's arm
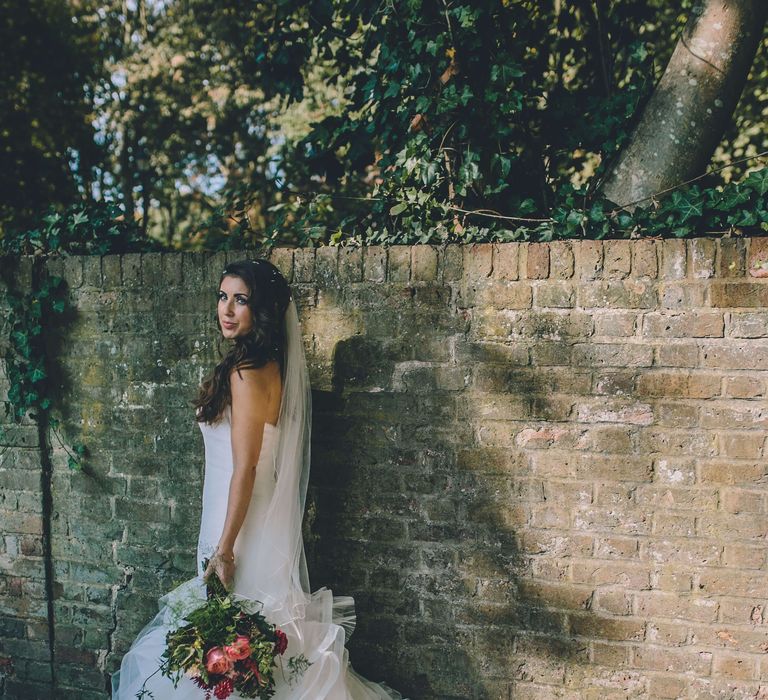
250, 405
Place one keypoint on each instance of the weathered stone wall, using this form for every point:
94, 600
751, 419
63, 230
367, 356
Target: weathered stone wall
539, 468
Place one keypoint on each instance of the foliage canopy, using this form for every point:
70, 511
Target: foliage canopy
219, 124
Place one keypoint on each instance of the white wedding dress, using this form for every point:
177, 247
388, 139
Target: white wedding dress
270, 567
317, 625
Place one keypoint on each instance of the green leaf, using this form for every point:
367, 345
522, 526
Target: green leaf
688, 204
596, 213
398, 208
79, 218
758, 180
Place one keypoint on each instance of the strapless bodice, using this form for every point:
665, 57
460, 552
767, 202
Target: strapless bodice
218, 474
217, 438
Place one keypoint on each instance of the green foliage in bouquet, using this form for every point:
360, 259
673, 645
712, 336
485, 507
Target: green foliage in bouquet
223, 647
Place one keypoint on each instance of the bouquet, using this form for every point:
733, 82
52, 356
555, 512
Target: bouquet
225, 648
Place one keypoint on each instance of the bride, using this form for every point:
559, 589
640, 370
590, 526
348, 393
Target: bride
254, 412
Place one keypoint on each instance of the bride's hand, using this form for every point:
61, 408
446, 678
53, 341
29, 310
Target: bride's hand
223, 565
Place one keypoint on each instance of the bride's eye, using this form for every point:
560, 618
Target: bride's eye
242, 300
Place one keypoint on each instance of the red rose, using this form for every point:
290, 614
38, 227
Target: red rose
216, 661
282, 642
239, 649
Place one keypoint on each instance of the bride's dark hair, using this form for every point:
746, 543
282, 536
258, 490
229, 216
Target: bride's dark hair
268, 298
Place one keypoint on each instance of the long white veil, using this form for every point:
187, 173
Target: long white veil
283, 586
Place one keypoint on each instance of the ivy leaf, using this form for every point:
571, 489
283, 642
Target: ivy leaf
429, 173
758, 180
596, 213
79, 218
743, 218
527, 206
687, 204
398, 208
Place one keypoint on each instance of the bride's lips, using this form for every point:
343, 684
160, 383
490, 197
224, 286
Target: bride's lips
227, 324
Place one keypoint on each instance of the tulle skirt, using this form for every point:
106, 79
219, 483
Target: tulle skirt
319, 635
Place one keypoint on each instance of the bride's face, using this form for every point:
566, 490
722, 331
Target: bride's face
235, 316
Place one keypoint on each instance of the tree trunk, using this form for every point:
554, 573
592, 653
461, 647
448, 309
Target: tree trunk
693, 103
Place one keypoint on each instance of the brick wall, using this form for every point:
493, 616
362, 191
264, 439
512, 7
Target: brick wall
539, 468
25, 658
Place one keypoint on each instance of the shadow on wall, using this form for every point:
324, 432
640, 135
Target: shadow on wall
418, 499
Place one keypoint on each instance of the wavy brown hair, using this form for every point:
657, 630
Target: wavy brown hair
268, 298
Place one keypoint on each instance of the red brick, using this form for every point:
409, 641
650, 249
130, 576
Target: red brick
588, 259
616, 259
684, 324
644, 258
619, 294
673, 634
681, 551
733, 526
536, 260
423, 263
665, 497
616, 323
609, 654
673, 660
744, 556
608, 628
671, 579
682, 295
742, 501
611, 573
654, 604
673, 257
561, 260
677, 355
506, 261
612, 601
610, 547
553, 294
738, 294
555, 595
731, 473
734, 666
744, 387
736, 356
732, 257
733, 583
555, 544
664, 687
701, 258
748, 324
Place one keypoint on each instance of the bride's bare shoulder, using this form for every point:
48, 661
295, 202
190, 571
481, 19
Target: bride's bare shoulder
258, 379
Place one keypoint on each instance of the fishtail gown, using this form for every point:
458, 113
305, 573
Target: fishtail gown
319, 634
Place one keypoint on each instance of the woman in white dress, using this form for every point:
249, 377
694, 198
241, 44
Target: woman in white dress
254, 412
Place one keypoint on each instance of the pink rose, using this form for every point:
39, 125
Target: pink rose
239, 649
216, 661
281, 644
